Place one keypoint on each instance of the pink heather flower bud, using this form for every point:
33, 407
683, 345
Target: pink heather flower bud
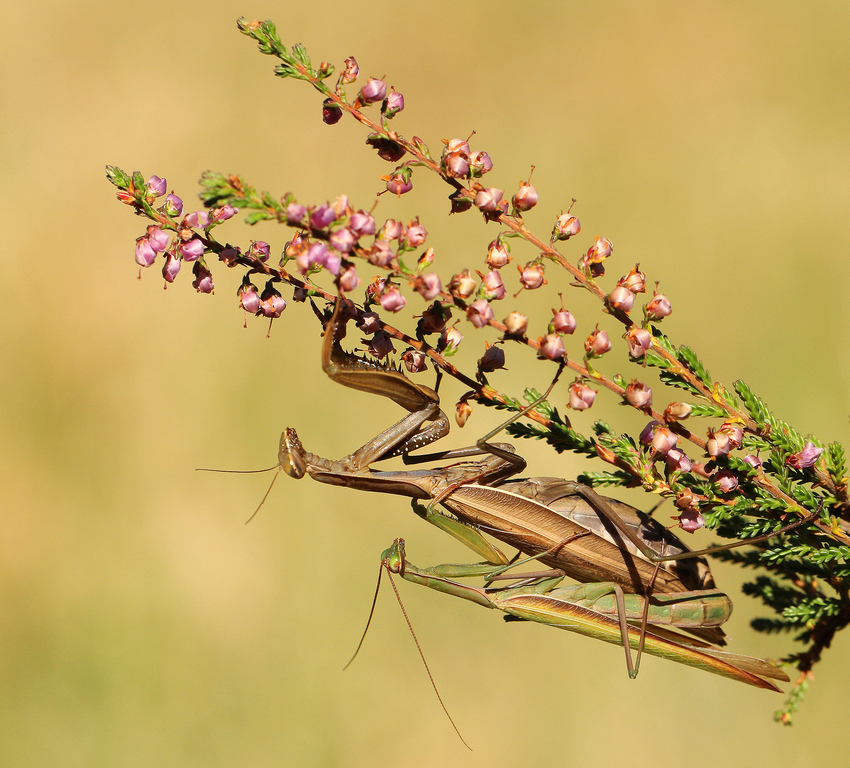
415, 234
381, 345
374, 90
156, 186
805, 458
753, 461
677, 412
450, 339
392, 300
369, 322
492, 359
333, 262
462, 285
362, 224
414, 360
380, 255
552, 347
158, 239
399, 183
295, 213
621, 298
317, 255
331, 112
658, 307
736, 434
581, 396
342, 240
677, 461
648, 431
428, 285
566, 226
272, 303
259, 249
171, 267
600, 250
192, 250
516, 324
597, 343
173, 206
393, 104
145, 255
479, 313
718, 444
639, 340
724, 480
249, 299
497, 254
456, 145
196, 219
638, 395
348, 279
434, 319
203, 282
488, 199
456, 164
663, 440
686, 499
479, 164
224, 213
463, 410
493, 286
322, 217
376, 287
690, 520
351, 71
635, 281
531, 276
341, 206
392, 230
563, 321
526, 197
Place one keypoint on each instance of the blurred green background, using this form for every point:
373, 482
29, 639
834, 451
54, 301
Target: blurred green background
142, 622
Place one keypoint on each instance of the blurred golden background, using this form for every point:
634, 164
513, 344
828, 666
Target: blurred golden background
142, 623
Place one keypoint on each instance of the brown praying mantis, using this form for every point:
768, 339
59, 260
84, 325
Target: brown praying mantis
634, 571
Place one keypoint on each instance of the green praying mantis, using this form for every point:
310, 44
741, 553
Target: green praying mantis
638, 579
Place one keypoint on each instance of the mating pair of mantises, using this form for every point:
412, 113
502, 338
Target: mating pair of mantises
637, 579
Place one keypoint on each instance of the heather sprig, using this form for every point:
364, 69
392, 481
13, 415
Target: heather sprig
719, 453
